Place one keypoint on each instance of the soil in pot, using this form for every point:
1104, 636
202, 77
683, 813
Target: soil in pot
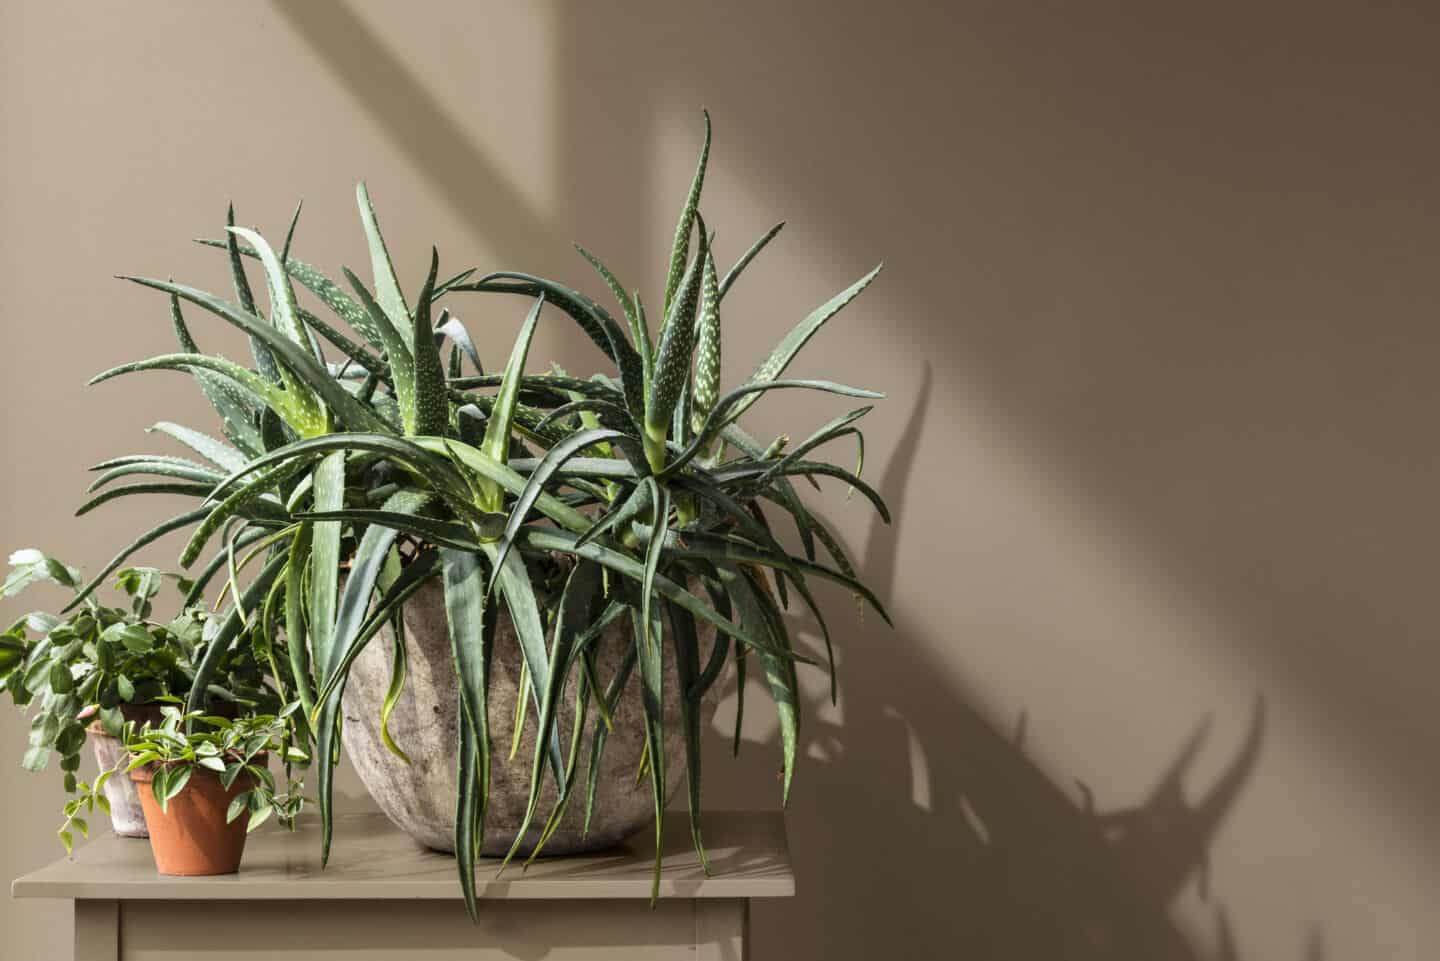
190, 837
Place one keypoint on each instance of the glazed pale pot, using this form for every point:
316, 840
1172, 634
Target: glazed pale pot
420, 798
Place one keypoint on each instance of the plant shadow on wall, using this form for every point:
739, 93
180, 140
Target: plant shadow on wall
1000, 861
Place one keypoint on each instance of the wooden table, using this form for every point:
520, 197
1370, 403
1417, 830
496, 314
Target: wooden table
384, 897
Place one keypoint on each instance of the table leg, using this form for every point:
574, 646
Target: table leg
97, 930
722, 929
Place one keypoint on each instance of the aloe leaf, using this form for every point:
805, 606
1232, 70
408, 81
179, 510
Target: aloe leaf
328, 493
627, 303
707, 348
611, 698
348, 347
201, 581
290, 234
733, 402
220, 454
519, 594
239, 501
553, 460
750, 601
230, 628
149, 537
547, 539
831, 431
659, 515
496, 443
330, 293
296, 641
190, 471
235, 407
432, 408
577, 608
264, 360
351, 414
442, 533
423, 463
650, 662
687, 670
285, 316
616, 416
397, 351
774, 365
733, 274
245, 388
672, 356
413, 576
472, 637
680, 251
597, 323
387, 287
472, 791
193, 490
808, 468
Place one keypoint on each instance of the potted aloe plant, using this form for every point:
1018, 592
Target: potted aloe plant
578, 562
89, 671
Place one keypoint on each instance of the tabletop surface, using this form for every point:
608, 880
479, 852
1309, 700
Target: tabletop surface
371, 859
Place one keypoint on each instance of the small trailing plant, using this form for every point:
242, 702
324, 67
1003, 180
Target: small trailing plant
228, 748
94, 658
359, 442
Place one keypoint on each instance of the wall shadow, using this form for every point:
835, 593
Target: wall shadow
997, 859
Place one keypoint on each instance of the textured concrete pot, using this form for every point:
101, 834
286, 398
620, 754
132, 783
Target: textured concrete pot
420, 798
127, 816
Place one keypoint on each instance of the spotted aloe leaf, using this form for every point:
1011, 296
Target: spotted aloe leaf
236, 408
707, 348
397, 351
672, 358
578, 603
387, 286
299, 360
432, 405
471, 623
733, 274
680, 252
264, 360
774, 365
496, 443
285, 315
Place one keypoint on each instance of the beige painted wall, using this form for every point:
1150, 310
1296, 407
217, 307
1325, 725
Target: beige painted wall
1158, 327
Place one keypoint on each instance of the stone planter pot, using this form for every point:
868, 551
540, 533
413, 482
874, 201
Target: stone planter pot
127, 816
420, 798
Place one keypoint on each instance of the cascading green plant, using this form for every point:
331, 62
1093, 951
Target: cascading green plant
393, 461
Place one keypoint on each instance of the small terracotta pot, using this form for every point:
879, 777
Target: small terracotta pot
190, 838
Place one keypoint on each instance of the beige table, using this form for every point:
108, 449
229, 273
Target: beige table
383, 897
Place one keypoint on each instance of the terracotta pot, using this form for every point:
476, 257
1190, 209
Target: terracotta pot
127, 816
190, 837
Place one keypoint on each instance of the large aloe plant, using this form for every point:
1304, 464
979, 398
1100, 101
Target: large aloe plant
392, 459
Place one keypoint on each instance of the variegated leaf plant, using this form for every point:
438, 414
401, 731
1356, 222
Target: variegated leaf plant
390, 460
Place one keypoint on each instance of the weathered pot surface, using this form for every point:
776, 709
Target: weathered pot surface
127, 816
420, 798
